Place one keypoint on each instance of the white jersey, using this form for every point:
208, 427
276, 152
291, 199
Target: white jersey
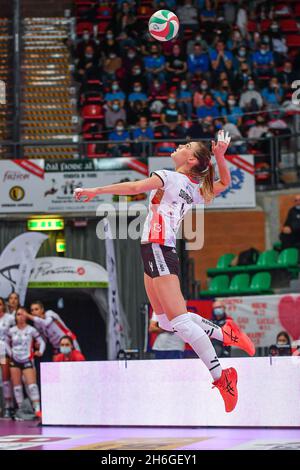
6, 322
168, 207
53, 328
20, 343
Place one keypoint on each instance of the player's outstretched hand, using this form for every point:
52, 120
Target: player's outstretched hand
84, 195
219, 149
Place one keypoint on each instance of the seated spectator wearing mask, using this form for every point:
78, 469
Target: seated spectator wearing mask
221, 59
287, 76
283, 345
185, 100
231, 112
242, 77
137, 94
141, 136
85, 41
198, 62
67, 351
115, 93
290, 235
176, 64
278, 44
209, 108
219, 318
251, 99
202, 129
88, 66
171, 118
167, 345
263, 61
113, 113
155, 65
188, 15
119, 134
221, 93
273, 94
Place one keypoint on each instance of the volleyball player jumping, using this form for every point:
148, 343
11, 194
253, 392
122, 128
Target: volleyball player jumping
172, 194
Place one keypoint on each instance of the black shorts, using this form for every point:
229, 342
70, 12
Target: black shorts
159, 260
21, 365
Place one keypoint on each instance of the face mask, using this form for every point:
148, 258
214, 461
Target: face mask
183, 86
219, 311
109, 36
65, 349
242, 53
136, 71
274, 28
263, 51
250, 87
115, 107
131, 56
156, 85
203, 87
231, 102
115, 87
86, 37
88, 56
137, 89
171, 101
120, 128
112, 56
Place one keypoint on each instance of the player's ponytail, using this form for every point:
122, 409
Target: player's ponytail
204, 170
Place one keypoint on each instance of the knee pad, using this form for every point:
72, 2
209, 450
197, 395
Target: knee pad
19, 396
33, 392
164, 323
7, 391
186, 329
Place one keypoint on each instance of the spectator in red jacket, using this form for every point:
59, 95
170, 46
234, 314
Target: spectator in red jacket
67, 351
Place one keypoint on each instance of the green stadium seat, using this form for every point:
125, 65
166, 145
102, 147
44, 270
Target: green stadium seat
239, 283
260, 284
218, 284
225, 260
288, 258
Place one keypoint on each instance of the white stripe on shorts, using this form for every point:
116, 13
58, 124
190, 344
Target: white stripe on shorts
159, 259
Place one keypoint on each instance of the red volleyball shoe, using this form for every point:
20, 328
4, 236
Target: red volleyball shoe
227, 386
233, 336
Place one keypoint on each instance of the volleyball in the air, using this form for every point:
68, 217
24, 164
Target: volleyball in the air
163, 25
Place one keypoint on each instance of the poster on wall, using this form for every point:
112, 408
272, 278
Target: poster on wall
241, 192
47, 185
263, 317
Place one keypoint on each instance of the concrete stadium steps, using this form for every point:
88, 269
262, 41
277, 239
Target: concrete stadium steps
48, 104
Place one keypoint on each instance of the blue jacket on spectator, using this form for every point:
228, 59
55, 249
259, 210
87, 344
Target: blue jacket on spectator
148, 133
137, 96
213, 56
117, 136
270, 96
262, 59
117, 95
204, 111
154, 62
198, 63
234, 114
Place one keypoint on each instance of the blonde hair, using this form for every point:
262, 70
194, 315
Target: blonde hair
204, 171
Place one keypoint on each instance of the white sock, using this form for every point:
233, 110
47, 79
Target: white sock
191, 333
7, 394
212, 330
19, 396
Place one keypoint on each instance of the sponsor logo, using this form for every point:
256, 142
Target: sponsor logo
186, 197
15, 176
151, 266
81, 271
16, 193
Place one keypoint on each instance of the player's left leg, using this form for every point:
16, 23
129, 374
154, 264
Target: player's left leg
33, 390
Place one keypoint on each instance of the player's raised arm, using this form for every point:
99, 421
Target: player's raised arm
121, 189
219, 149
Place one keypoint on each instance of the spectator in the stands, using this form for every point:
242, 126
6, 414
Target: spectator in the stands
200, 93
119, 134
137, 75
67, 351
238, 144
171, 118
198, 62
166, 345
138, 109
155, 64
86, 40
259, 129
113, 113
263, 61
232, 112
229, 10
242, 77
125, 19
112, 63
221, 59
242, 19
241, 57
209, 107
137, 94
184, 99
208, 18
176, 66
236, 41
131, 59
109, 44
198, 39
290, 234
157, 89
141, 135
115, 93
272, 94
283, 346
221, 93
251, 99
188, 15
219, 318
88, 66
287, 75
278, 44
201, 129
